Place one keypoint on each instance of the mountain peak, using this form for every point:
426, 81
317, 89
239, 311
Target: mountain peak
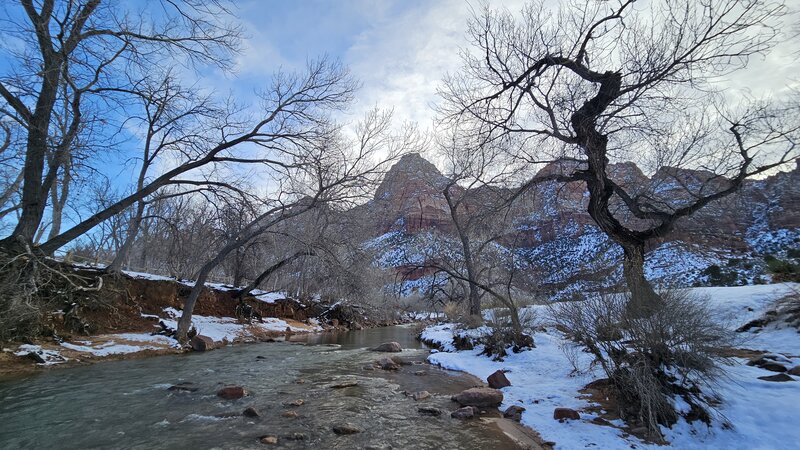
412, 170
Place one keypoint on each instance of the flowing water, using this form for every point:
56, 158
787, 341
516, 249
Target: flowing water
127, 404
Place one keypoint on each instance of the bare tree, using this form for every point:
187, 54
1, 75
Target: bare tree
174, 121
9, 171
71, 54
594, 82
326, 168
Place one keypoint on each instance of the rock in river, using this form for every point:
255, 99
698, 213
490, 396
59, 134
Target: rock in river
345, 428
480, 397
514, 412
231, 392
202, 343
467, 412
429, 411
387, 364
250, 412
185, 386
269, 439
421, 395
391, 347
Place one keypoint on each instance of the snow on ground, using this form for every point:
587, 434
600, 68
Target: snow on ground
116, 344
50, 357
268, 297
147, 276
764, 414
229, 329
264, 296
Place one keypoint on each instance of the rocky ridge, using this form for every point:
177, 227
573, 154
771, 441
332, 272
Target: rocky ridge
725, 243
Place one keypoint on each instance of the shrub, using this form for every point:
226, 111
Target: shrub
718, 277
651, 360
500, 340
782, 270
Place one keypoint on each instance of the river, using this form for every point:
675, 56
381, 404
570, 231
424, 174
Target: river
127, 404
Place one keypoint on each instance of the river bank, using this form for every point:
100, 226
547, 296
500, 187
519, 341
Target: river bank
134, 315
756, 408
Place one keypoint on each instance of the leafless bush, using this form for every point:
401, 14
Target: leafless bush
651, 360
454, 312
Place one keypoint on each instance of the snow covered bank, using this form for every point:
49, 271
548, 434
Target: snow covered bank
763, 413
120, 344
228, 329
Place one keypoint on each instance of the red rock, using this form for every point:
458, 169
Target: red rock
391, 347
467, 412
562, 414
201, 343
346, 428
231, 392
514, 412
498, 380
388, 364
269, 439
480, 397
429, 411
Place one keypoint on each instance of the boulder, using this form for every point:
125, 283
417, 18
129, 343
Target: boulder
387, 364
467, 412
269, 439
514, 412
290, 414
231, 392
295, 437
429, 411
562, 414
344, 384
250, 412
480, 397
345, 428
498, 380
794, 371
390, 347
779, 377
201, 343
400, 361
421, 395
298, 402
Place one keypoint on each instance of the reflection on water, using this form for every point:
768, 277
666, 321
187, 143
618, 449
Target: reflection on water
126, 404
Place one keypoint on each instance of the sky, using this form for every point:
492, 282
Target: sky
400, 50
